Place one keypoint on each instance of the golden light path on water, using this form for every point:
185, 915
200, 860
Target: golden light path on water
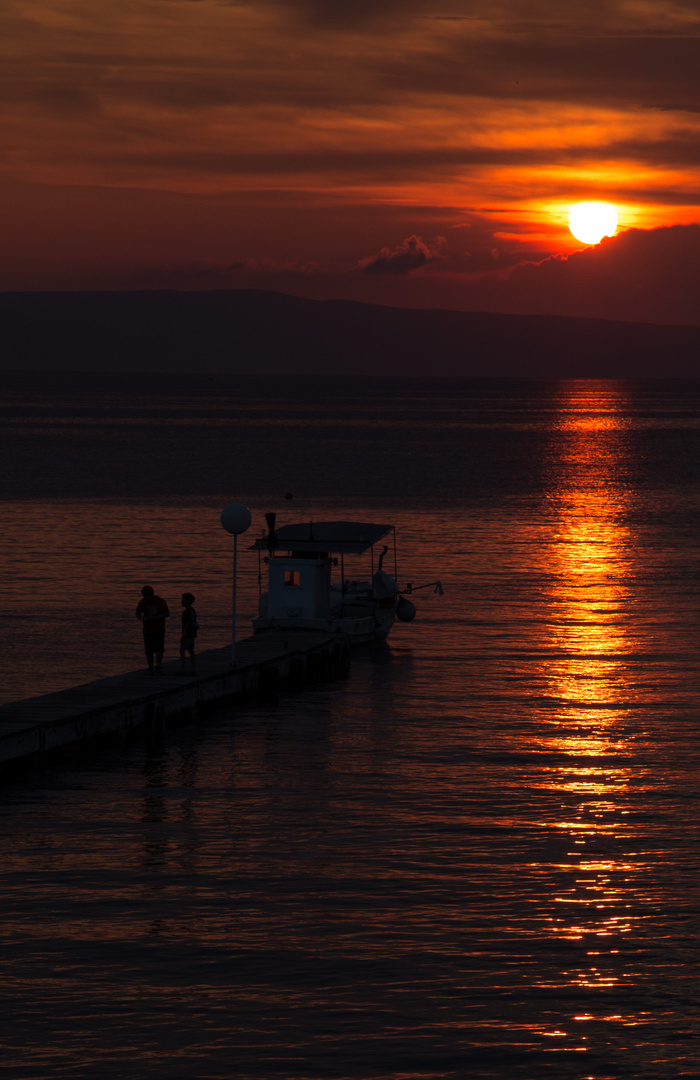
590, 637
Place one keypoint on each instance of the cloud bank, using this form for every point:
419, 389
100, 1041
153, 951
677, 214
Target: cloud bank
636, 276
645, 276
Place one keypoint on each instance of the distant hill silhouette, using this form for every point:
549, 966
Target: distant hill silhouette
250, 331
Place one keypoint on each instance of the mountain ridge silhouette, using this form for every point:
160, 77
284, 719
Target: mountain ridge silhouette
250, 331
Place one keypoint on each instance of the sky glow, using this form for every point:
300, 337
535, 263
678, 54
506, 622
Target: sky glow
209, 144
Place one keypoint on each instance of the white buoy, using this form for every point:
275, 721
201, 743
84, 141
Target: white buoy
236, 518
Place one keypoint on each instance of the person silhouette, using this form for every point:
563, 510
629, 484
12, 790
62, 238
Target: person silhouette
190, 626
152, 611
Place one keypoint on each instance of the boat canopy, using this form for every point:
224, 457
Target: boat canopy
339, 537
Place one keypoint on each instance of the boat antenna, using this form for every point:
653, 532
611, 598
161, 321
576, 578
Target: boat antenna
396, 568
271, 535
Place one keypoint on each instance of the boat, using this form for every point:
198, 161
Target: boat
308, 588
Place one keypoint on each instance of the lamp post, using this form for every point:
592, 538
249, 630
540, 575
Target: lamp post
235, 518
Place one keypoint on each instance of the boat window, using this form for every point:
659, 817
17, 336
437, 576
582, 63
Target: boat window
292, 577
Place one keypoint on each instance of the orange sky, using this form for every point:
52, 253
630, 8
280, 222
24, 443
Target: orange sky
386, 150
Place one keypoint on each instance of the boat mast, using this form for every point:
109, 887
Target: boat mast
396, 571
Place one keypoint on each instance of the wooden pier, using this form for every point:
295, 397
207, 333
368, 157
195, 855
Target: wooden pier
122, 703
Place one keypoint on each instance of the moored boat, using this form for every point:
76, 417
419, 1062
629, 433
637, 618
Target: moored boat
308, 588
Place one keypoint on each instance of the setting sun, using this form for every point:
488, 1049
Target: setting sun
589, 222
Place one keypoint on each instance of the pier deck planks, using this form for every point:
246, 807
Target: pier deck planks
122, 702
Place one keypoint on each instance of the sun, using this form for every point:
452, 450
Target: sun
591, 221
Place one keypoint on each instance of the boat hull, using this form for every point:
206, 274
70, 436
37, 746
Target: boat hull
357, 631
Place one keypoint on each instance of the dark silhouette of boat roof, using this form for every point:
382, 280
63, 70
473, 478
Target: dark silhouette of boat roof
340, 537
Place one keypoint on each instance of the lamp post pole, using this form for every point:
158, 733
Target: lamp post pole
235, 518
233, 599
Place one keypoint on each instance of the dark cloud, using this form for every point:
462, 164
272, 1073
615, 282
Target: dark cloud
502, 50
370, 163
349, 14
639, 275
540, 15
656, 71
410, 255
653, 69
683, 150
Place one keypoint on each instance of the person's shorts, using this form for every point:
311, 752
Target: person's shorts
153, 643
187, 644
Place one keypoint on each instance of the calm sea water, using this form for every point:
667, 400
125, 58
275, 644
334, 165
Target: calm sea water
478, 856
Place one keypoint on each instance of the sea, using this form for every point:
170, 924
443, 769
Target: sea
475, 857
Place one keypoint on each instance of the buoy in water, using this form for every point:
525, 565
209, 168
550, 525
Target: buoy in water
405, 610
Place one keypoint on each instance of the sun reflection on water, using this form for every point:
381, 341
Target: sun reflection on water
589, 568
587, 672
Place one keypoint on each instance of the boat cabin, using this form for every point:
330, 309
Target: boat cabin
301, 591
299, 588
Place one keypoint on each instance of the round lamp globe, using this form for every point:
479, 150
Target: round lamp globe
236, 518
